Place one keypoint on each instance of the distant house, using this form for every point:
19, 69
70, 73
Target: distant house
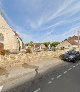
39, 46
71, 42
9, 40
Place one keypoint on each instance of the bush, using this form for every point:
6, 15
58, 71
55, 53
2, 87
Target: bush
4, 52
45, 49
28, 50
61, 56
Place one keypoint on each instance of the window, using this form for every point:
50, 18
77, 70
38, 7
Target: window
1, 37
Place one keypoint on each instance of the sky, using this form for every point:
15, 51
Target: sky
42, 20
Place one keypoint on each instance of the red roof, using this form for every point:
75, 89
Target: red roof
74, 38
72, 41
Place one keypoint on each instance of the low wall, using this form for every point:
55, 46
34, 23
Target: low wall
18, 59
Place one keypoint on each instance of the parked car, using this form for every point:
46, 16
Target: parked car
71, 56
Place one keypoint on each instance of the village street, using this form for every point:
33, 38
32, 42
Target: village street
18, 75
62, 78
39, 46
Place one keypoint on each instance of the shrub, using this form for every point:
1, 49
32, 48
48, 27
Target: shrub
28, 50
61, 56
4, 52
45, 49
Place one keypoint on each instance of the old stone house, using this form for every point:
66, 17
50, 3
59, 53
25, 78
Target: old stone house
9, 40
71, 42
39, 46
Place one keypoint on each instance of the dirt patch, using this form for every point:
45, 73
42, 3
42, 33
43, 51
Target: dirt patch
27, 60
3, 71
25, 65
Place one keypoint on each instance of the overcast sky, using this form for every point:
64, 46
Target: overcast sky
42, 20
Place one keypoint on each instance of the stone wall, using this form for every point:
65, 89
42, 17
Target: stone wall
19, 59
65, 44
10, 39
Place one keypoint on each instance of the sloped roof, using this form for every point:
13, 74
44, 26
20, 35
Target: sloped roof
17, 35
74, 38
10, 26
72, 42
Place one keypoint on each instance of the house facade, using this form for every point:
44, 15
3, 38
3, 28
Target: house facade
71, 42
39, 46
9, 40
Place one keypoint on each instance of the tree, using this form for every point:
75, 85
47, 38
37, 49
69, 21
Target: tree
1, 13
54, 44
31, 43
46, 43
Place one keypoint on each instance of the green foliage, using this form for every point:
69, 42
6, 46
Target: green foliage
54, 44
61, 56
4, 52
31, 43
46, 43
1, 13
26, 44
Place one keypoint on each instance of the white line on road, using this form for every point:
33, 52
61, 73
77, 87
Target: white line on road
1, 88
52, 78
49, 82
37, 90
69, 69
59, 76
73, 66
77, 64
65, 72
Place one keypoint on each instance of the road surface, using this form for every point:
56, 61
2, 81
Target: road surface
63, 78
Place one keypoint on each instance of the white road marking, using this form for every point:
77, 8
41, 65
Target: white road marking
49, 82
37, 90
73, 66
77, 64
69, 69
52, 78
1, 88
65, 72
59, 76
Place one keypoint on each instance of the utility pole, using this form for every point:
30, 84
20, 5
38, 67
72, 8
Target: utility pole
78, 39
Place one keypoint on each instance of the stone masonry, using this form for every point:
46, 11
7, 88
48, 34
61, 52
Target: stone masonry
10, 39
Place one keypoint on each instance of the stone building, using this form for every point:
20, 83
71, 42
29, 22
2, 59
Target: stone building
9, 40
39, 47
70, 43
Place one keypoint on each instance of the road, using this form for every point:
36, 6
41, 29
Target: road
63, 78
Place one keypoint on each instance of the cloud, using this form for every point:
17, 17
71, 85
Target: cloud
20, 30
26, 37
44, 18
66, 34
66, 9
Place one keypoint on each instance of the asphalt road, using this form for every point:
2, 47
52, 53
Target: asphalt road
63, 78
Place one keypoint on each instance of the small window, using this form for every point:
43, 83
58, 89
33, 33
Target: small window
1, 37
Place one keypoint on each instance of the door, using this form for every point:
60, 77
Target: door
1, 46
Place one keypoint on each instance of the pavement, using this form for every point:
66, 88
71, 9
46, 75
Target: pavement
62, 78
18, 75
